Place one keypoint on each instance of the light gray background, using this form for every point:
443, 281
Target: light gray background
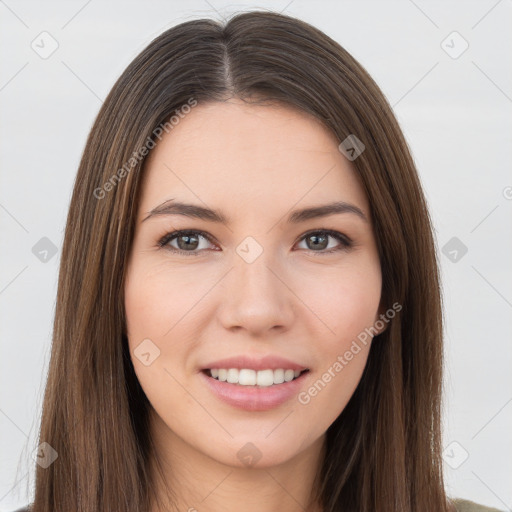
456, 115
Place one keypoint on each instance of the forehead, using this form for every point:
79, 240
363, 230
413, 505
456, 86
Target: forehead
251, 156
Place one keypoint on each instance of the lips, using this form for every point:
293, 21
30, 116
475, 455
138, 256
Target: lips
254, 398
256, 391
268, 362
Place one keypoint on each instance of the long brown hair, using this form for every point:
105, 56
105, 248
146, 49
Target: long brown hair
383, 452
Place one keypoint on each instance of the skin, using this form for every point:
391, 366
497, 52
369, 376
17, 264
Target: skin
255, 164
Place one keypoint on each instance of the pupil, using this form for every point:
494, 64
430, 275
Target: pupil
187, 244
322, 238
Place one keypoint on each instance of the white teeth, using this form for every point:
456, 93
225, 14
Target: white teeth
232, 377
278, 376
265, 378
248, 377
288, 375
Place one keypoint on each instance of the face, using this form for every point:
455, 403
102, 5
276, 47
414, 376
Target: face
254, 281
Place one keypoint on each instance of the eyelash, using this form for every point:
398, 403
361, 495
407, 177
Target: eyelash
345, 241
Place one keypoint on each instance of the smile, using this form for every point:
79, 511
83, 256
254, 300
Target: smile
249, 377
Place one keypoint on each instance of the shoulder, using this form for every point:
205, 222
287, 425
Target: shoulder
22, 509
469, 506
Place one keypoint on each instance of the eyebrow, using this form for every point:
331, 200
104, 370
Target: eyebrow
171, 207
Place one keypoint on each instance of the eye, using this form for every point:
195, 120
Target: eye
320, 241
189, 240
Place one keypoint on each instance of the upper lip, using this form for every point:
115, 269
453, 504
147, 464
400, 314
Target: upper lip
262, 363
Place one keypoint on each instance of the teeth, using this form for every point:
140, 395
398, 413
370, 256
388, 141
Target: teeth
248, 377
278, 376
232, 376
288, 375
264, 377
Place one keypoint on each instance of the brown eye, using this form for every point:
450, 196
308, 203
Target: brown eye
318, 241
186, 242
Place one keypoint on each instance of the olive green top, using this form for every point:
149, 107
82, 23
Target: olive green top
469, 506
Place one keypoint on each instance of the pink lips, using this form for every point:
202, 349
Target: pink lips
254, 398
263, 363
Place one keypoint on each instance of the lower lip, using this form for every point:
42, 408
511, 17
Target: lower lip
253, 398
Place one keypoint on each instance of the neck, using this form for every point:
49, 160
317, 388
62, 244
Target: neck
192, 481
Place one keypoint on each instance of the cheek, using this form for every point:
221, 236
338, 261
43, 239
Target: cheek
344, 300
156, 307
163, 305
144, 303
346, 303
156, 299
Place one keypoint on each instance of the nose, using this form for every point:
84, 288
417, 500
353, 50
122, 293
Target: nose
257, 297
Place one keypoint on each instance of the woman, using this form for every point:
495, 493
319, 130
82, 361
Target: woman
248, 312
